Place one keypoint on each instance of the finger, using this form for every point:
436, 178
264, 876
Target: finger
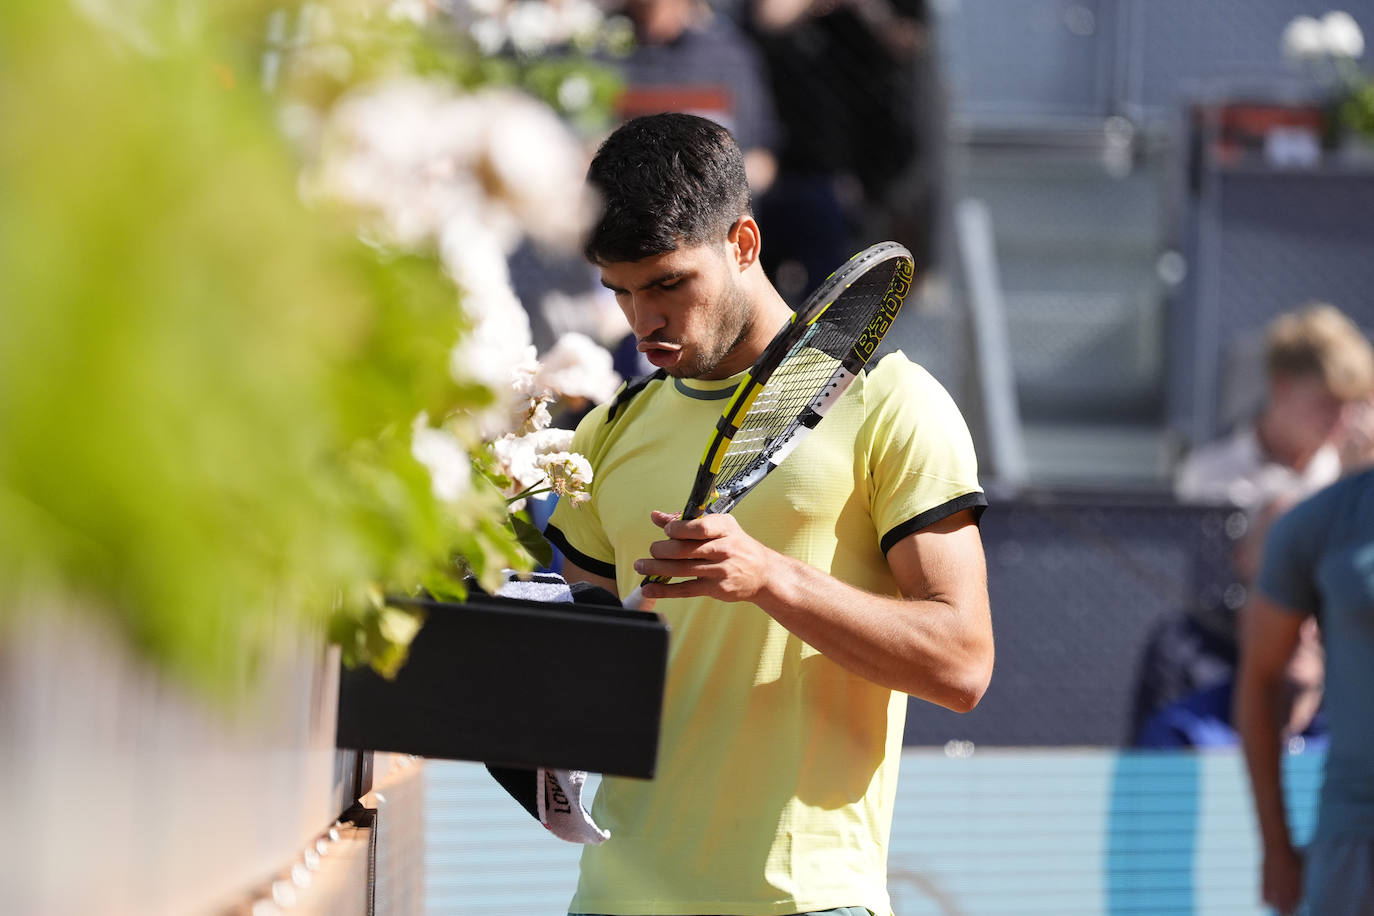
662, 518
682, 588
677, 569
702, 528
677, 549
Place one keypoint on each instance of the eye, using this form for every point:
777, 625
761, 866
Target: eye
671, 284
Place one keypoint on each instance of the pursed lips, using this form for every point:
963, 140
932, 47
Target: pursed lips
660, 354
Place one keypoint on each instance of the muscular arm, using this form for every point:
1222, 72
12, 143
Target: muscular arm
574, 573
935, 642
1269, 635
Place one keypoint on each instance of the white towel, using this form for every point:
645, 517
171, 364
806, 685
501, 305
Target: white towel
558, 793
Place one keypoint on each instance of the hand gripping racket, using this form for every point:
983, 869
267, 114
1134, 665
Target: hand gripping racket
799, 375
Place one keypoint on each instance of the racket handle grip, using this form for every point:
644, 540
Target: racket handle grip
635, 599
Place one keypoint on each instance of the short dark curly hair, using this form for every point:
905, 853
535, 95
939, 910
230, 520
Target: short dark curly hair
665, 180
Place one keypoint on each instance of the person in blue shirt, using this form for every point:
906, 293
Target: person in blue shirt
1318, 562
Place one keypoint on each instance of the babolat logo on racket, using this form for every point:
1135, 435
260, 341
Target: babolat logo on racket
876, 330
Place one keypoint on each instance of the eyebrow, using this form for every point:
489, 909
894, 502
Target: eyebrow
666, 277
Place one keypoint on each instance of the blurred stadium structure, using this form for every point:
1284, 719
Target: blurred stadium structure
1109, 209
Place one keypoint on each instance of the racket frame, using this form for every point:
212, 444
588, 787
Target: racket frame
704, 498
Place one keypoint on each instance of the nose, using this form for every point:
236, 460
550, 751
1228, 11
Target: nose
644, 317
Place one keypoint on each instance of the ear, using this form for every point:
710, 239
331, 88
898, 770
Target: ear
744, 241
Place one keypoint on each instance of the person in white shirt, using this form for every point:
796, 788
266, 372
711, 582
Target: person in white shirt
1316, 424
1320, 376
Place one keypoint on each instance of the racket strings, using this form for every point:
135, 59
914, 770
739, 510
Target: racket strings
805, 373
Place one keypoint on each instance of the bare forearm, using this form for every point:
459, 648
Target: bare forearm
932, 649
1257, 720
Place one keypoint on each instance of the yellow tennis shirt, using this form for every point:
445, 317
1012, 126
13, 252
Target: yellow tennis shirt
777, 768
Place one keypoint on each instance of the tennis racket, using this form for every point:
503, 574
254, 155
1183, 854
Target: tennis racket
800, 374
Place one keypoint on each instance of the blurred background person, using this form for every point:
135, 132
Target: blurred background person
689, 59
1318, 563
1312, 426
844, 77
1317, 363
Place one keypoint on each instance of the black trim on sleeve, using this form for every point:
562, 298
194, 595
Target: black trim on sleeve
976, 501
590, 564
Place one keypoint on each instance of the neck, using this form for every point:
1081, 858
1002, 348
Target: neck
771, 312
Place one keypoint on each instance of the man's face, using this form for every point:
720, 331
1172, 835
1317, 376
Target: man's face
1307, 411
687, 308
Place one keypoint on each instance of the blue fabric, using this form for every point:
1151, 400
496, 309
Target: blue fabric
1338, 878
1203, 719
1319, 559
838, 911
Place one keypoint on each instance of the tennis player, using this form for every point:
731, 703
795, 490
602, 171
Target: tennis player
851, 577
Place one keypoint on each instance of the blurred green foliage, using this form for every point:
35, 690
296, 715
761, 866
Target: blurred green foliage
206, 389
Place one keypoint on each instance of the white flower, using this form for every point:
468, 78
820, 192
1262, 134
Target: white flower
536, 168
580, 17
515, 456
518, 457
569, 474
553, 439
413, 11
489, 33
488, 355
532, 26
487, 7
537, 416
579, 367
1304, 39
496, 352
575, 92
449, 465
1341, 35
593, 313
495, 348
475, 257
401, 151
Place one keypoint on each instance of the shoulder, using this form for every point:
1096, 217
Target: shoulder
895, 387
895, 374
1298, 541
1301, 532
606, 422
1351, 496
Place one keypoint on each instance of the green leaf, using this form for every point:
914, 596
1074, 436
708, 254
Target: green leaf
532, 539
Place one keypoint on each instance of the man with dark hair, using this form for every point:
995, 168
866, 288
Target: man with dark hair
853, 576
653, 207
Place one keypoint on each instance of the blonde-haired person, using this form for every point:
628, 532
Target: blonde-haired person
1314, 424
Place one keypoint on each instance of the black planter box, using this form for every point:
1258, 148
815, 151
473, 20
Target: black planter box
518, 683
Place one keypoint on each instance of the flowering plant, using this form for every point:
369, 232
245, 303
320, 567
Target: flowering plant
227, 413
447, 153
1330, 47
